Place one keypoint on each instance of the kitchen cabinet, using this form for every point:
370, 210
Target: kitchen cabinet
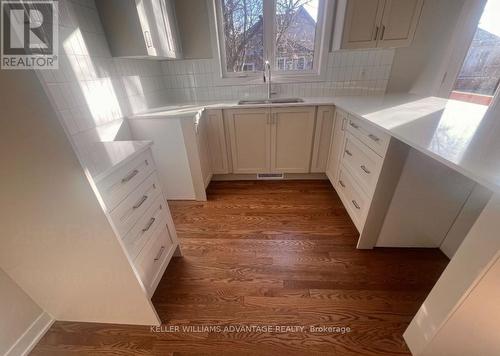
292, 132
277, 140
250, 137
337, 142
376, 23
140, 28
322, 138
217, 141
356, 159
203, 146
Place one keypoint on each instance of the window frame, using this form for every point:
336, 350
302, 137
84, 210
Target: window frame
322, 45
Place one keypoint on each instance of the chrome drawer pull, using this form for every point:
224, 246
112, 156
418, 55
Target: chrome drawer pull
348, 152
365, 169
373, 137
140, 202
342, 184
356, 204
354, 125
130, 176
150, 222
160, 253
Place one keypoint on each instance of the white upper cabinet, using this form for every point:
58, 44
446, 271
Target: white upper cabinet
376, 23
399, 22
362, 22
140, 28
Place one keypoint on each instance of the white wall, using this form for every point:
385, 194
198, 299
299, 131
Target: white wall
18, 311
478, 250
91, 91
417, 68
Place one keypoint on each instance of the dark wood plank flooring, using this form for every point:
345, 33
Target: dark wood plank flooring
270, 253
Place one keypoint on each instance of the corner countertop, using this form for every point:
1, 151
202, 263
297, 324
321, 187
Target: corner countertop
457, 134
101, 158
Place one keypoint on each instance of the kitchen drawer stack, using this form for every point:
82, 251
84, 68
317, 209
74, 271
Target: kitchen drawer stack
360, 162
134, 201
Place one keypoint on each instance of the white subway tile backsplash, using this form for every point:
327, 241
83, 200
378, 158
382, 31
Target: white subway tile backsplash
359, 72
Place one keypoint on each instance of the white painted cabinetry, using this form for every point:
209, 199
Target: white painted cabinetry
140, 216
376, 23
322, 138
356, 158
217, 141
292, 132
337, 142
250, 137
277, 140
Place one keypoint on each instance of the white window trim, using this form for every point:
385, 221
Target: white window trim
322, 43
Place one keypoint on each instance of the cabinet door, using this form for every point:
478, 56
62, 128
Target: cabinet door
399, 22
250, 136
217, 142
362, 21
204, 150
292, 132
337, 144
322, 137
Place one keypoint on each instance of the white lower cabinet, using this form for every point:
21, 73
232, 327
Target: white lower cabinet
277, 140
250, 136
337, 144
292, 131
141, 217
356, 158
153, 257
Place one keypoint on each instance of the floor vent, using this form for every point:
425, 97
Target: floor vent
270, 176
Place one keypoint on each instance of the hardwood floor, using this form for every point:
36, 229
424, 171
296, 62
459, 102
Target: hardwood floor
270, 253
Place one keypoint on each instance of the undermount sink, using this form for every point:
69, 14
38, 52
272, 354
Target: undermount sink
271, 101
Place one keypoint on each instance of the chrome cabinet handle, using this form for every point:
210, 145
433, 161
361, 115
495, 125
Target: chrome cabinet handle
376, 33
129, 176
140, 202
354, 125
148, 225
342, 184
363, 167
348, 152
373, 137
383, 32
160, 253
356, 204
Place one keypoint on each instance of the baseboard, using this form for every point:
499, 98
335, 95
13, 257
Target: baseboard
288, 176
31, 336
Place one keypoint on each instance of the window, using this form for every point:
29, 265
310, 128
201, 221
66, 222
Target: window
249, 67
287, 33
479, 78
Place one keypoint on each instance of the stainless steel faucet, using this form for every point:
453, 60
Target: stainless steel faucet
267, 66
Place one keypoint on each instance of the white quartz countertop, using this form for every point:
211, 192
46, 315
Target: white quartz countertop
190, 110
455, 133
101, 158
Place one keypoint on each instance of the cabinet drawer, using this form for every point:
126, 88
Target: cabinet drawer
369, 135
355, 200
152, 257
126, 214
146, 227
115, 187
363, 163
